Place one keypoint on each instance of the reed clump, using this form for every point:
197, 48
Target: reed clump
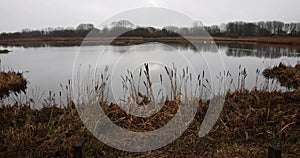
288, 76
4, 51
251, 121
11, 82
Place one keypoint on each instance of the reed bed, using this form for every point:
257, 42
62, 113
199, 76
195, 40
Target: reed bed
288, 76
11, 82
251, 121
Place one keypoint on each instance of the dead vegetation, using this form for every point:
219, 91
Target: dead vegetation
249, 123
11, 82
288, 76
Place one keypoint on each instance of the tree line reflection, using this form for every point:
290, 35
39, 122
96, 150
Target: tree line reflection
238, 50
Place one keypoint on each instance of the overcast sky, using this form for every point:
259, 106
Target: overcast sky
16, 15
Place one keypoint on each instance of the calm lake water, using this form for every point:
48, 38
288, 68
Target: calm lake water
48, 67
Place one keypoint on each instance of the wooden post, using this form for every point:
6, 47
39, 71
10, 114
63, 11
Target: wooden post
274, 152
79, 149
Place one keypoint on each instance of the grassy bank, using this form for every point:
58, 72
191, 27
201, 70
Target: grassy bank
263, 40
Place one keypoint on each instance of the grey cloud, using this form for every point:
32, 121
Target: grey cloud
36, 14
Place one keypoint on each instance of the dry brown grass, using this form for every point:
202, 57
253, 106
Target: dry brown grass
11, 82
288, 76
249, 123
254, 40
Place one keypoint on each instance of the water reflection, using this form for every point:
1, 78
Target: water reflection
239, 50
195, 47
47, 67
232, 49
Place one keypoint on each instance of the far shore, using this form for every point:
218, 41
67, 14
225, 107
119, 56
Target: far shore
291, 41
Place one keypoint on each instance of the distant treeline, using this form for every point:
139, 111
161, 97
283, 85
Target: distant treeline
126, 29
243, 29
